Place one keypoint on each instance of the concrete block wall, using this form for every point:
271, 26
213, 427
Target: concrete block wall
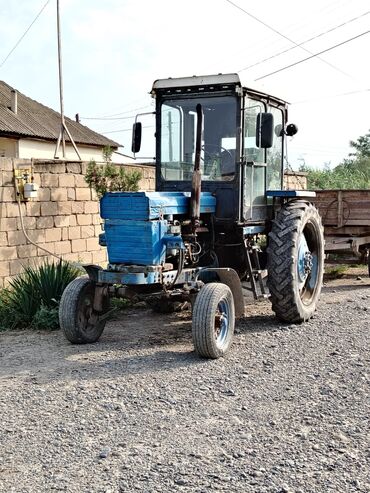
64, 218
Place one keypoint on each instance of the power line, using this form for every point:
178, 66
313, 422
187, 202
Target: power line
113, 117
106, 118
285, 37
124, 130
304, 42
313, 55
24, 34
329, 96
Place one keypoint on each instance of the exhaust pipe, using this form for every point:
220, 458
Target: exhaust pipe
196, 185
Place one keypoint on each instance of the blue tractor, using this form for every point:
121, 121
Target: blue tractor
219, 221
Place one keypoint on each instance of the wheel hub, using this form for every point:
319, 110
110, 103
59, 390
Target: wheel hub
305, 261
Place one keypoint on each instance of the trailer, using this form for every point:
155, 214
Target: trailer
346, 219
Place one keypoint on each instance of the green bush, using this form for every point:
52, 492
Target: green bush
111, 178
33, 296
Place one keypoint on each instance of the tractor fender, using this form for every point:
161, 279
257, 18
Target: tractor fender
229, 277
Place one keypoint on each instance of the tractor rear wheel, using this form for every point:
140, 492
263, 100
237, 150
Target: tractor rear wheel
77, 318
295, 261
213, 320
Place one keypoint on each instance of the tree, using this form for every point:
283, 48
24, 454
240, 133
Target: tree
353, 172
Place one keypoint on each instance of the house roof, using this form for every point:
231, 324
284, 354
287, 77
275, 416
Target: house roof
34, 120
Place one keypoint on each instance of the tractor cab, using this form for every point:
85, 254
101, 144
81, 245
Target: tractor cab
241, 148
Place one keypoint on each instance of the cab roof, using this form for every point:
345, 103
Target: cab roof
209, 81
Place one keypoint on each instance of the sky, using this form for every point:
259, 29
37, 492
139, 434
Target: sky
113, 50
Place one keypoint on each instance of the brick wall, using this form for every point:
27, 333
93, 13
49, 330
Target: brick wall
64, 218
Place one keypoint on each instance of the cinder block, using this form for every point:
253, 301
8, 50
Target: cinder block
78, 246
86, 257
98, 229
6, 164
12, 210
4, 268
63, 247
74, 233
65, 235
8, 253
71, 194
28, 222
61, 221
87, 231
8, 224
53, 234
16, 238
58, 194
3, 239
80, 181
77, 207
7, 194
67, 180
36, 235
99, 257
58, 168
7, 178
64, 208
49, 247
44, 222
96, 219
84, 219
17, 266
49, 180
74, 168
92, 244
33, 208
26, 251
50, 208
72, 220
43, 195
91, 207
83, 194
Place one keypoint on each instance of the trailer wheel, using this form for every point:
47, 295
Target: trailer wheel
295, 261
79, 322
213, 320
368, 262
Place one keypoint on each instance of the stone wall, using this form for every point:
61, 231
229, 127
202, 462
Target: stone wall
64, 218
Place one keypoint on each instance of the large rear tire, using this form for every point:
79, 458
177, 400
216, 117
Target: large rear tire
295, 261
77, 318
213, 320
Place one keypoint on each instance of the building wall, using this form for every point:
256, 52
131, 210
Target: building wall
64, 218
8, 147
39, 149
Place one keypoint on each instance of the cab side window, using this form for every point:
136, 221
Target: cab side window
275, 153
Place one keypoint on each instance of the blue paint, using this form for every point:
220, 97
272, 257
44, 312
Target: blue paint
290, 193
111, 277
135, 242
135, 225
151, 205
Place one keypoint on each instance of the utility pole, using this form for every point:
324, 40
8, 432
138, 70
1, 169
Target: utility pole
63, 127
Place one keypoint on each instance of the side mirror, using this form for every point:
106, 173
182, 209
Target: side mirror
265, 130
136, 137
291, 129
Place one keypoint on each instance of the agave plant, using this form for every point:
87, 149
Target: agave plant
35, 291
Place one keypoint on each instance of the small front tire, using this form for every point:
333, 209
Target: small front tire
213, 320
77, 318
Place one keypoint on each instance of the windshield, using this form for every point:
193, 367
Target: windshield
178, 135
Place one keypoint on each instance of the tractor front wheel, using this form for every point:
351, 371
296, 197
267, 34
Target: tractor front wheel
295, 261
213, 320
77, 317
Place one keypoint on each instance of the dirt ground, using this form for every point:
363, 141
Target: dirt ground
286, 411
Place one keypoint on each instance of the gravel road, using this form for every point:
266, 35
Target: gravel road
286, 411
